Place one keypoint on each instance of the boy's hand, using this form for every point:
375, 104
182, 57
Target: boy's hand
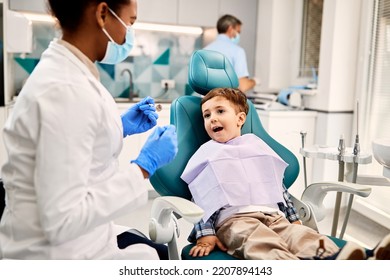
298, 222
205, 245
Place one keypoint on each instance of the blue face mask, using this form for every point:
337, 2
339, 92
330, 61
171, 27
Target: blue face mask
116, 53
236, 39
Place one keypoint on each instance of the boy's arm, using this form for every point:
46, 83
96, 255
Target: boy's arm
290, 211
206, 239
203, 228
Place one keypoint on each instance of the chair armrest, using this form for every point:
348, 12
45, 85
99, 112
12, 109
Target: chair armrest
315, 193
370, 180
162, 223
306, 214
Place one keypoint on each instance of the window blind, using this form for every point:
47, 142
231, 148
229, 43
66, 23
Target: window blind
311, 37
377, 116
374, 117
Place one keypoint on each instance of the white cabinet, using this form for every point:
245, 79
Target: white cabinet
245, 10
203, 13
285, 127
182, 12
132, 144
36, 6
158, 11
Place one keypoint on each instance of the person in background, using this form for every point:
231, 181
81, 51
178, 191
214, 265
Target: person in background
248, 211
229, 29
62, 181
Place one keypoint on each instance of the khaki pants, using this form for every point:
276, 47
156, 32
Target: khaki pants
259, 236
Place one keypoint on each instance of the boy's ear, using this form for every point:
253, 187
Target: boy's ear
241, 118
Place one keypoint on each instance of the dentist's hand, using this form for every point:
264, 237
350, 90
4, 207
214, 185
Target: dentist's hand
140, 117
159, 149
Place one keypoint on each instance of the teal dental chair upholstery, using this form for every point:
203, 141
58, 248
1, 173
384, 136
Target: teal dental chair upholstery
208, 70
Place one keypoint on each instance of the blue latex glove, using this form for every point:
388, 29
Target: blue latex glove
140, 117
159, 149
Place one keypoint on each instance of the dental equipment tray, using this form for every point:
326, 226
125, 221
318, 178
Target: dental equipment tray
332, 153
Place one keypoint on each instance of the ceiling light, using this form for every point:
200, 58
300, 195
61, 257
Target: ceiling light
138, 25
39, 17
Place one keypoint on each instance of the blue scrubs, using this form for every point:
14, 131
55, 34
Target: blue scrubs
234, 53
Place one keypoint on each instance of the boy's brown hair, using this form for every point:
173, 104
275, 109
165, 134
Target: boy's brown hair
236, 96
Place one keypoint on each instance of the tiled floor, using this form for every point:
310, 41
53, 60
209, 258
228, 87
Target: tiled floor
360, 229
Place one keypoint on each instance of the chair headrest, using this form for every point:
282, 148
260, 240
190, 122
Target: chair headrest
209, 70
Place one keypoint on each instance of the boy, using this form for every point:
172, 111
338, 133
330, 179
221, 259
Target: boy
237, 180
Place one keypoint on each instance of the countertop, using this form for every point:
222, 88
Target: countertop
137, 99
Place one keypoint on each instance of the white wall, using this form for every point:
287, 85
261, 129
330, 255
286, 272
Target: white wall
343, 71
338, 57
278, 49
337, 75
276, 42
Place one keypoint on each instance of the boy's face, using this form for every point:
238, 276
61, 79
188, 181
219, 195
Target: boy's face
221, 121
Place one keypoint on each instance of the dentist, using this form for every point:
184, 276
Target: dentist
63, 186
227, 43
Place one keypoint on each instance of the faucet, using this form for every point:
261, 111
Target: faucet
132, 94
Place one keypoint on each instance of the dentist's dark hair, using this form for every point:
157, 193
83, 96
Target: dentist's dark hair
69, 13
225, 22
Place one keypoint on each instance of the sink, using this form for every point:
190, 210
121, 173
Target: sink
381, 152
122, 100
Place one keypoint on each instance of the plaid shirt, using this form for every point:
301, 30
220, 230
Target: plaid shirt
208, 227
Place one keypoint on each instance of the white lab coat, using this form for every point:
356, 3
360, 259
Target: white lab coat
62, 179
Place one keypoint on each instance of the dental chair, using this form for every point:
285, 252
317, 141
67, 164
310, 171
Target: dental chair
208, 70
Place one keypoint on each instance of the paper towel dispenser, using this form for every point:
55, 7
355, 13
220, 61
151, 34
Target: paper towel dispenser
19, 33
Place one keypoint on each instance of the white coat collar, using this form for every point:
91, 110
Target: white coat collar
106, 97
80, 55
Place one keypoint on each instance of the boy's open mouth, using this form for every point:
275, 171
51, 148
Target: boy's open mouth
218, 128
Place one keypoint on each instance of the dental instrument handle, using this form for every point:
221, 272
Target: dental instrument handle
356, 152
347, 215
356, 148
341, 149
336, 214
303, 136
341, 146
